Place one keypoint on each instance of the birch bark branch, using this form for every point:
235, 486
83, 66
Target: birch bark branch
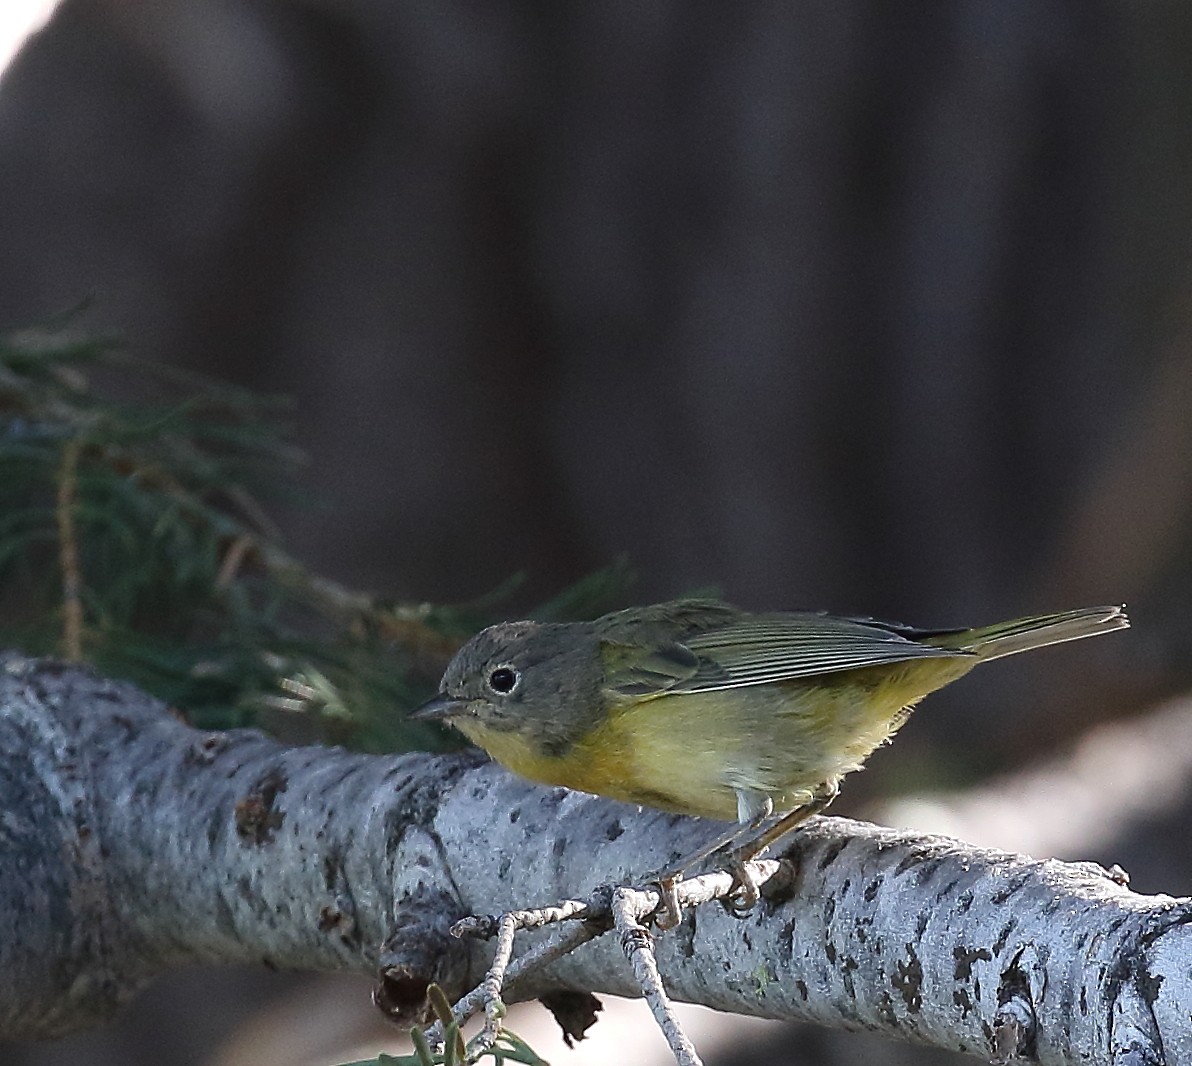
131, 844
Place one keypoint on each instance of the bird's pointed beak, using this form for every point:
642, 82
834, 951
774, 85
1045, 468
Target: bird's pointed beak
440, 708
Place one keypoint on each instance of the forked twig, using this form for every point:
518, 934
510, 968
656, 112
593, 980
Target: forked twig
622, 908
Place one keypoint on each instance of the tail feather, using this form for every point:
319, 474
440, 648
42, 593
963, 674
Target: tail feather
1023, 634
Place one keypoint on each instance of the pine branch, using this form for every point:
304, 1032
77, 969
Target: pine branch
133, 535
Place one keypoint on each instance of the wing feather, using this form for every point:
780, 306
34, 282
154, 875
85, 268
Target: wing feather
764, 649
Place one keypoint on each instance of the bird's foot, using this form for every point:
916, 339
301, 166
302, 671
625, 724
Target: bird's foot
670, 914
746, 889
736, 883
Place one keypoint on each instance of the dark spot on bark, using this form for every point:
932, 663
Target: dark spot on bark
846, 886
1084, 1001
831, 853
256, 816
885, 1009
928, 868
398, 777
861, 934
964, 902
614, 829
574, 1011
203, 752
746, 939
830, 951
829, 909
910, 860
419, 798
961, 998
1148, 987
329, 918
871, 889
559, 846
122, 720
964, 958
514, 815
921, 925
686, 934
801, 988
331, 868
908, 979
1002, 937
1013, 885
846, 979
504, 866
786, 943
1009, 1027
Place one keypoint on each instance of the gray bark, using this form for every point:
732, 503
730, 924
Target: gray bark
131, 843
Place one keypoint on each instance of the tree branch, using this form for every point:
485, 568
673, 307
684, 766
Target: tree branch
131, 844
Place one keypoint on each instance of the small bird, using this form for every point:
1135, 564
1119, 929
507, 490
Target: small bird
699, 708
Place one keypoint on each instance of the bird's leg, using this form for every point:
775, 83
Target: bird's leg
819, 802
753, 808
743, 902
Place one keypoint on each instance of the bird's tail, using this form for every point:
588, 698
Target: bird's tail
1023, 634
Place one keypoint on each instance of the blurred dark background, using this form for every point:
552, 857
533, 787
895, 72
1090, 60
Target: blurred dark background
884, 308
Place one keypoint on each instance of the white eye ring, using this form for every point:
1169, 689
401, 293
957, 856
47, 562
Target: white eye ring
504, 679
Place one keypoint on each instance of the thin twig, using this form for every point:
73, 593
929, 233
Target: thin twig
486, 926
68, 552
403, 623
229, 566
491, 986
538, 957
638, 945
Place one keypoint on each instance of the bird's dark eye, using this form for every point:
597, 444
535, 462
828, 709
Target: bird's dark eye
504, 679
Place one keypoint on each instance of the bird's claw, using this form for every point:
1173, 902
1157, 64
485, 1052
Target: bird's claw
741, 901
670, 914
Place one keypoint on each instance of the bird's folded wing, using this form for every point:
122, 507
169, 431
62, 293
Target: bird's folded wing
757, 651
